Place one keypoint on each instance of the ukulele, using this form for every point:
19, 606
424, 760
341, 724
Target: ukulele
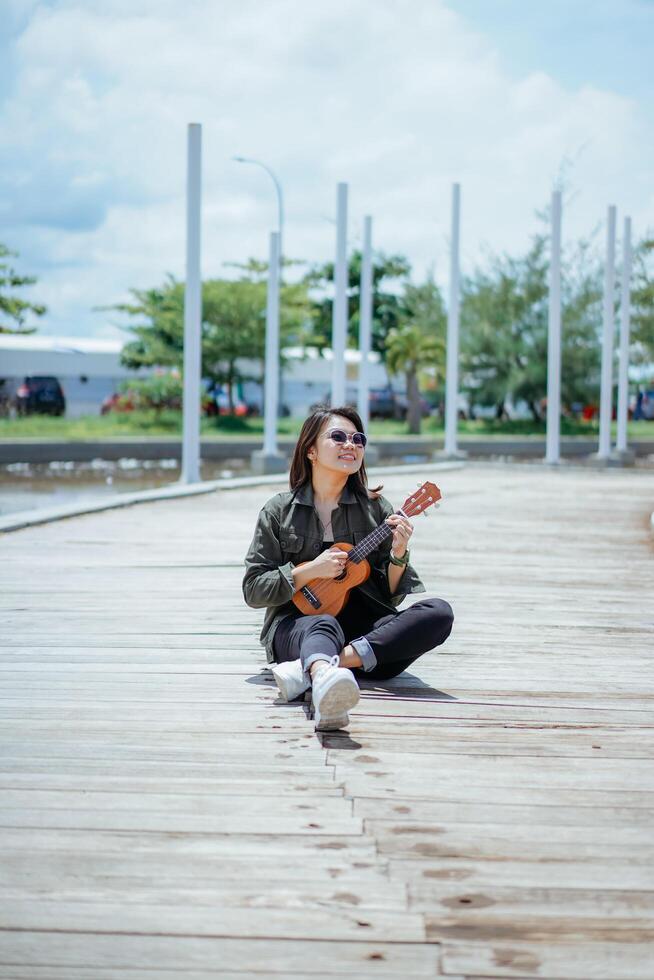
329, 595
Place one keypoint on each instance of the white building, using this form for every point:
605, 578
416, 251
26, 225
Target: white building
307, 379
89, 370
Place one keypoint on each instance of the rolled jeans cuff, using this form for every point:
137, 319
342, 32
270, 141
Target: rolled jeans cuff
366, 653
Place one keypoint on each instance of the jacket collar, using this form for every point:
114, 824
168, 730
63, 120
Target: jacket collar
305, 495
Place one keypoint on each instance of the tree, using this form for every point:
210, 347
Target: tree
642, 301
418, 342
233, 324
504, 316
13, 309
386, 305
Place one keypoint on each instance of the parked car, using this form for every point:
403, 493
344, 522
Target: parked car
40, 395
387, 403
383, 403
644, 405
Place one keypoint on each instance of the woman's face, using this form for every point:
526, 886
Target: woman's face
338, 456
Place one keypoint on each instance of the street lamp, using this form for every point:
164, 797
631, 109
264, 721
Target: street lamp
280, 201
269, 460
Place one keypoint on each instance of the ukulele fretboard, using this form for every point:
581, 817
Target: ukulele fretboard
370, 542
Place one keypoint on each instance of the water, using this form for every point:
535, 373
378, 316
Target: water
29, 486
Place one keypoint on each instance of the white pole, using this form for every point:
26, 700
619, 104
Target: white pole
272, 349
365, 322
452, 365
606, 391
192, 310
625, 313
553, 441
339, 312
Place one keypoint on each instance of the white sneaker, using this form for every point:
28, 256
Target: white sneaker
290, 679
335, 692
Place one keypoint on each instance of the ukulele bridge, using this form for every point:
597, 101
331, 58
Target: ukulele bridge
311, 597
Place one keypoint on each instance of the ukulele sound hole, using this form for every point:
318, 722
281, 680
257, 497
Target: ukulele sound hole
339, 578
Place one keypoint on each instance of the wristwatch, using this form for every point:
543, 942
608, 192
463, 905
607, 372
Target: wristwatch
400, 561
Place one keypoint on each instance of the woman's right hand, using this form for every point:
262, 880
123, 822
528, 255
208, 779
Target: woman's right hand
329, 564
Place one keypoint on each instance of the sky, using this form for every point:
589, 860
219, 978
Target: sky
399, 98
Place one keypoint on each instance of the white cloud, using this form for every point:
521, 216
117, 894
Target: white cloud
399, 98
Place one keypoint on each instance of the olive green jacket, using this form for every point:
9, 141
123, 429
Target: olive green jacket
289, 531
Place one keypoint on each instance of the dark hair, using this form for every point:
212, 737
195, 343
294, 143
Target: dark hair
300, 472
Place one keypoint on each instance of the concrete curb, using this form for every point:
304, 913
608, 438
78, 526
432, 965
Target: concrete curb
45, 515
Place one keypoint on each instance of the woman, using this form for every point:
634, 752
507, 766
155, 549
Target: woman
328, 502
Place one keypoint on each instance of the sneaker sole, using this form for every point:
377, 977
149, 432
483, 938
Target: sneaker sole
337, 701
333, 724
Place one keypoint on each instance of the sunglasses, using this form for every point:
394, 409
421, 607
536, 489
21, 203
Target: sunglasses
341, 437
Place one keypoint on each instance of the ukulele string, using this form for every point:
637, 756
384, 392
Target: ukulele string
386, 529
376, 536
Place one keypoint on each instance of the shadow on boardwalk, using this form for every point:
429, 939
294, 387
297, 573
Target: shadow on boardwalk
487, 814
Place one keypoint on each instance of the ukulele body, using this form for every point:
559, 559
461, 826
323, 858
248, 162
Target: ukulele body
331, 594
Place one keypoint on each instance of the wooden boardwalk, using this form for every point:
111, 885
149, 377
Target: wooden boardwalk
489, 814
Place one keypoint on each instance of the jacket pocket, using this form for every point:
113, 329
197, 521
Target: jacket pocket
290, 542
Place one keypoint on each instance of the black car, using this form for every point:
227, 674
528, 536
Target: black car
387, 403
40, 395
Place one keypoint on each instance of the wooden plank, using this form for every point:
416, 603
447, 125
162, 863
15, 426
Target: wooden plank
493, 770
503, 842
523, 908
427, 877
268, 955
166, 867
196, 919
145, 973
206, 844
352, 891
560, 961
142, 818
174, 801
144, 778
461, 792
503, 814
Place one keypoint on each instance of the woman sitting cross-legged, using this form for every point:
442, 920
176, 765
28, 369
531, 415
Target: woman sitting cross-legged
329, 501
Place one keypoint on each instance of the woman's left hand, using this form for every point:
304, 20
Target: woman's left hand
402, 531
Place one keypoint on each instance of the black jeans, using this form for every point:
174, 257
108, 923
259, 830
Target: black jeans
397, 639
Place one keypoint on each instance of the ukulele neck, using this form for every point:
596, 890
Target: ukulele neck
371, 541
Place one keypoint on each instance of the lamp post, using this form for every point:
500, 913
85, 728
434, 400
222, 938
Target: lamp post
553, 440
269, 460
190, 472
608, 334
280, 203
622, 450
452, 356
339, 308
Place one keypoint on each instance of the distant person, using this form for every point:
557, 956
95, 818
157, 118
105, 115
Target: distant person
638, 410
329, 501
